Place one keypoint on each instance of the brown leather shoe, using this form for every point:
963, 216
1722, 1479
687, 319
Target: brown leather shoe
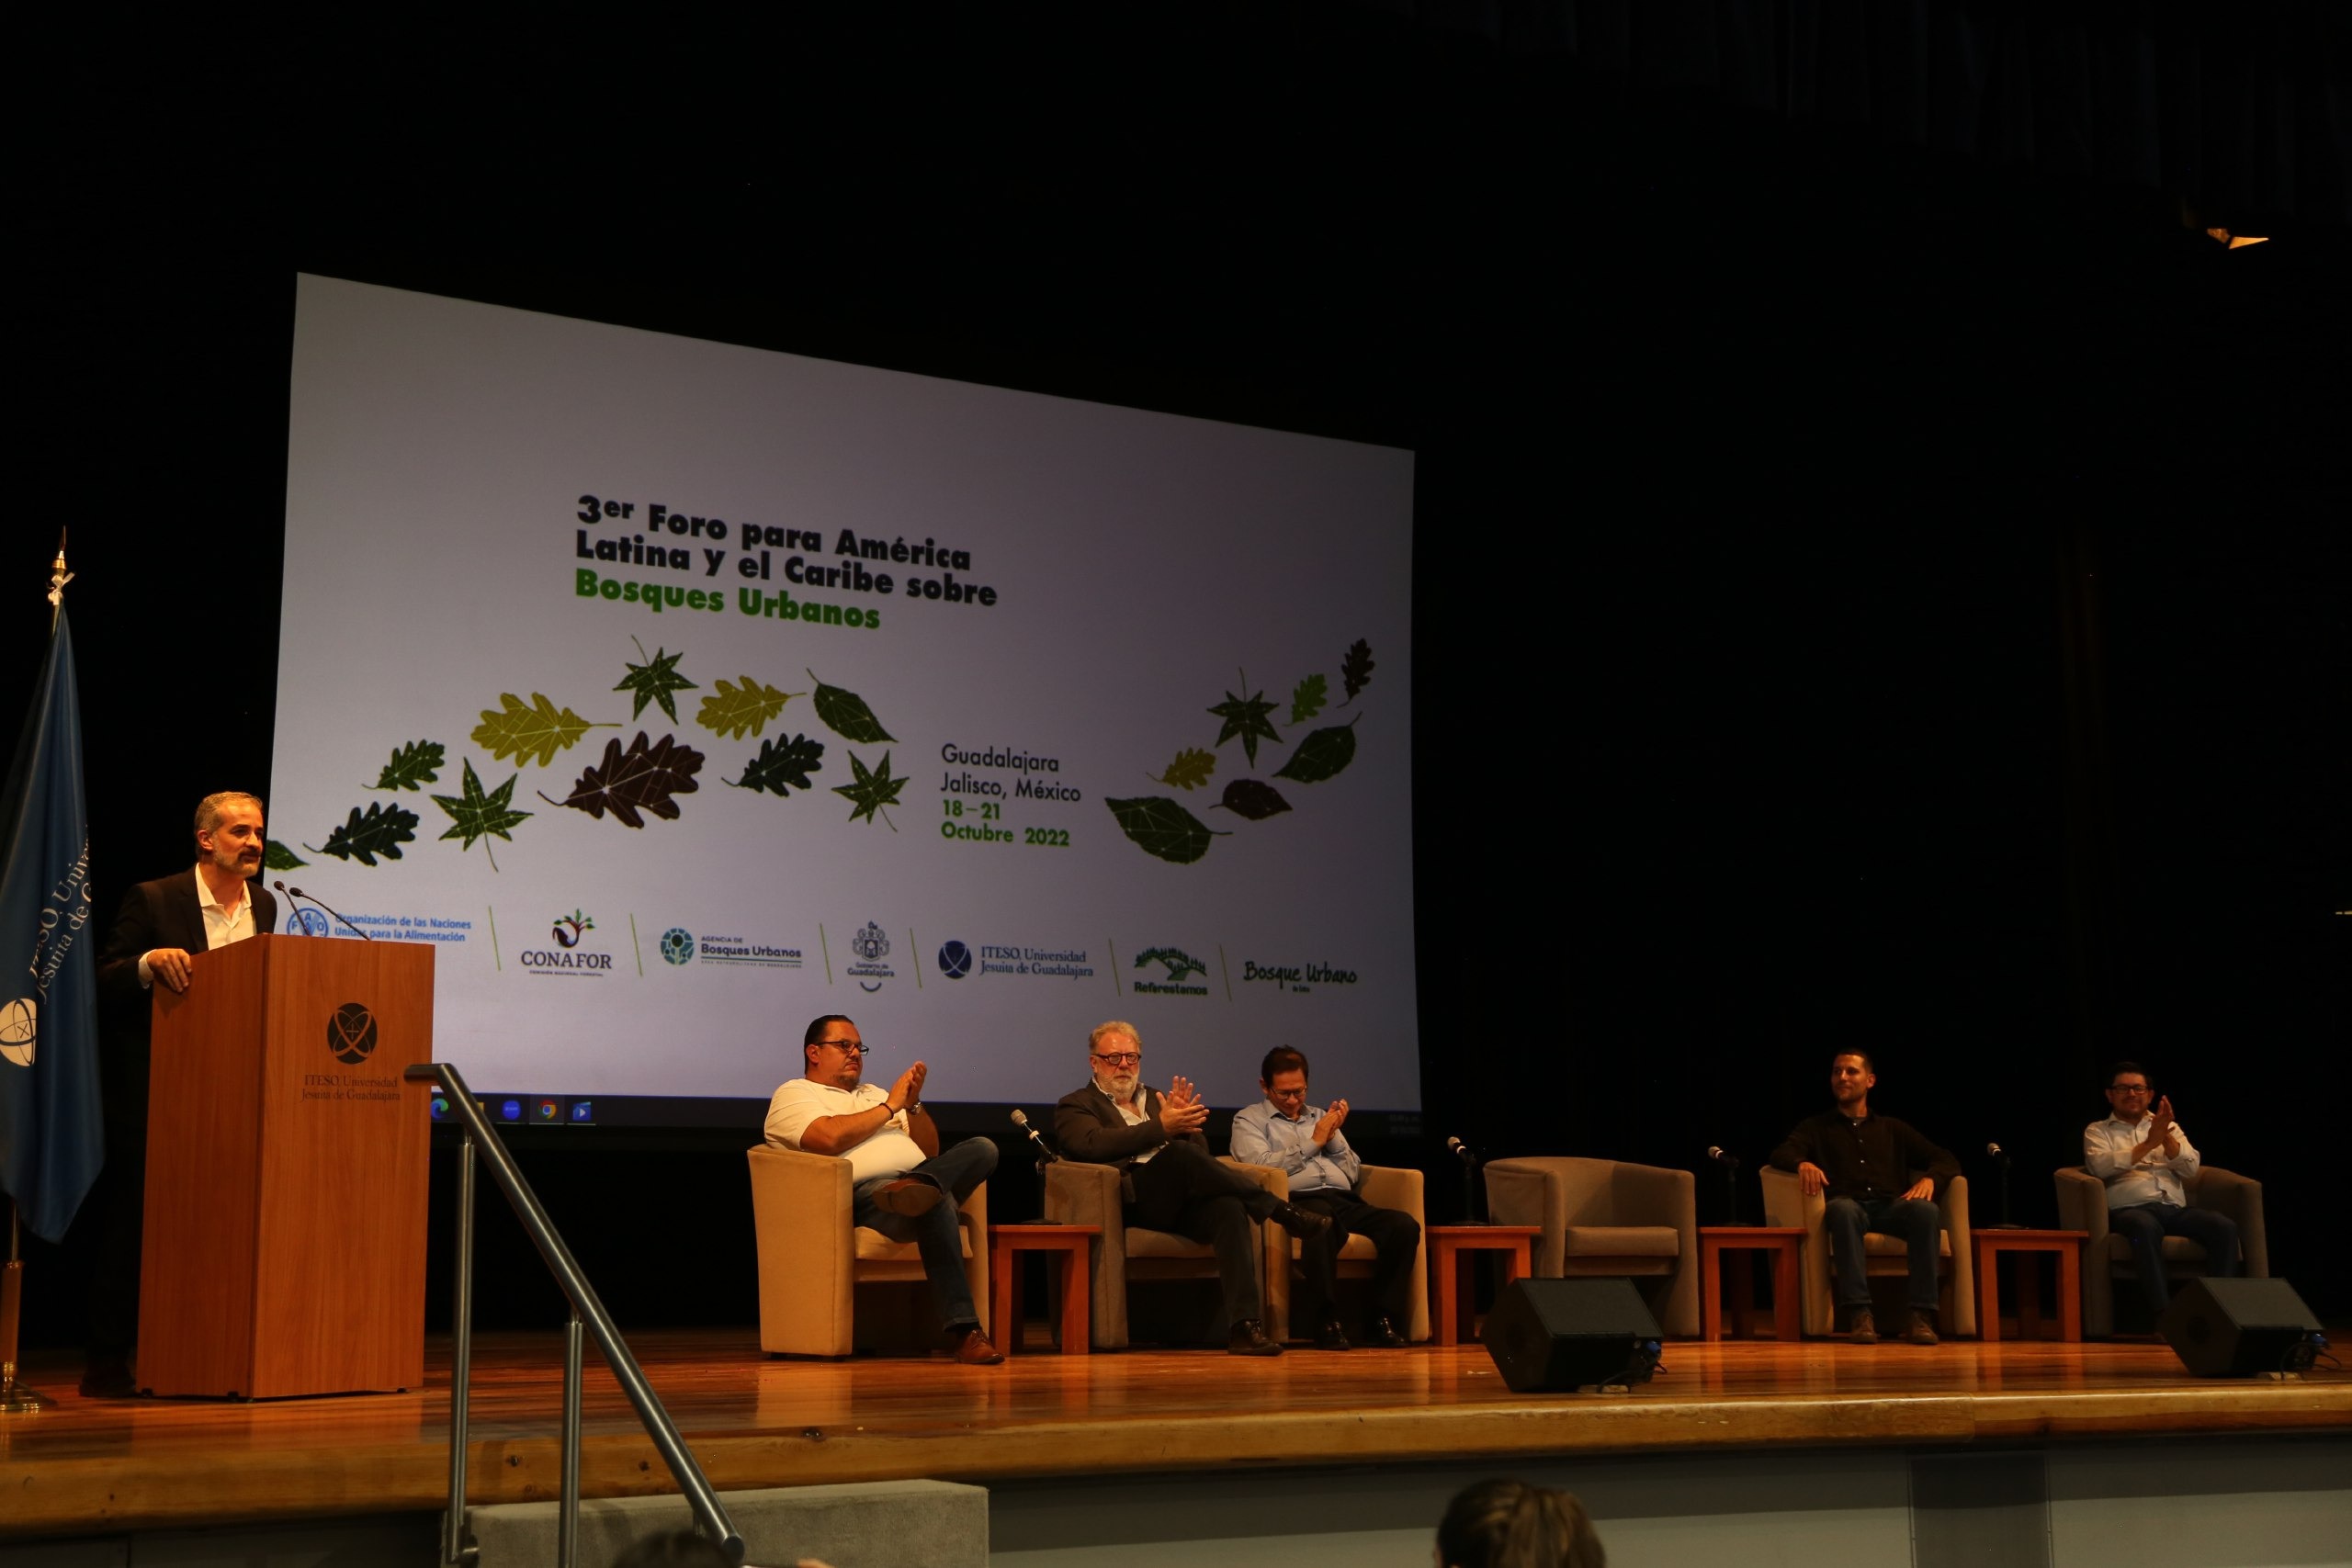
1385, 1335
1863, 1330
1921, 1330
971, 1345
1249, 1339
908, 1198
1332, 1336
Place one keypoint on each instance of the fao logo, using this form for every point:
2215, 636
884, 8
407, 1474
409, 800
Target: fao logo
869, 943
307, 921
677, 945
954, 961
351, 1033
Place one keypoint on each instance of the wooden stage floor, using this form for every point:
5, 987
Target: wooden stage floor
86, 1466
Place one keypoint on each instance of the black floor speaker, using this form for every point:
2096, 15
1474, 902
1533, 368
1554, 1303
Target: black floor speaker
2234, 1328
1552, 1336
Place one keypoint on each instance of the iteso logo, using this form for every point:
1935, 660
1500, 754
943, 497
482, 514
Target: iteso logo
955, 960
351, 1033
19, 1031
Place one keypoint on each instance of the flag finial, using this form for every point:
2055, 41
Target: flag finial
58, 576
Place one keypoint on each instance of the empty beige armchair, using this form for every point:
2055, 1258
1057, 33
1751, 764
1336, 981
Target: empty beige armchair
1080, 1194
2107, 1258
1604, 1218
1786, 1205
1383, 1187
812, 1259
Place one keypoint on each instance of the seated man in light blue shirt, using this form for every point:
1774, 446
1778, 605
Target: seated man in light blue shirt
2147, 1162
1305, 1142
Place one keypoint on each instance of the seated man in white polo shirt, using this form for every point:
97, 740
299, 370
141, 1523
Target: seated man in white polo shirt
896, 1190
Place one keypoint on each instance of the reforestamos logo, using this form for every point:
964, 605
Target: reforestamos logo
871, 947
569, 956
955, 960
1179, 964
1299, 978
351, 1033
1038, 963
677, 946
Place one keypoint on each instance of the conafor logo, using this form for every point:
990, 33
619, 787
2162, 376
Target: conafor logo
569, 957
351, 1033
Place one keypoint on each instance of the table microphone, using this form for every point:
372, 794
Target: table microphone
1045, 1157
1461, 1151
1721, 1158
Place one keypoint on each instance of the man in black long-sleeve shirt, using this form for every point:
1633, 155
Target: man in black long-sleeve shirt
1881, 1175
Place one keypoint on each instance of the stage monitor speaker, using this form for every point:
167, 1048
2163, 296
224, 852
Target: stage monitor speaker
2234, 1328
1552, 1336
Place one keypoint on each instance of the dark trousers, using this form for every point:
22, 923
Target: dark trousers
2145, 1226
1396, 1237
1183, 1190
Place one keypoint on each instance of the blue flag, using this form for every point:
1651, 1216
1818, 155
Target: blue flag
51, 1139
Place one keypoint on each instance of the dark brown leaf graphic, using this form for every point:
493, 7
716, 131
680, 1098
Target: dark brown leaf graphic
643, 778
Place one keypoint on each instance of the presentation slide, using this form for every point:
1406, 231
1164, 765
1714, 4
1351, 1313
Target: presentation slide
679, 693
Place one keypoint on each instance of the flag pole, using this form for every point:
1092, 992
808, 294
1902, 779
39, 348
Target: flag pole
14, 1395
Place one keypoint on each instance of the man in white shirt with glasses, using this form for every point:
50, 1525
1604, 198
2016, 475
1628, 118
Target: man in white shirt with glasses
2147, 1162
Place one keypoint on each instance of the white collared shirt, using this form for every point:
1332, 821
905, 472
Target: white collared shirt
221, 926
886, 1151
1134, 1117
2155, 1178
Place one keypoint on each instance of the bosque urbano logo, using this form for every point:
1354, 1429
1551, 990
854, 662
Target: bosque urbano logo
351, 1033
677, 945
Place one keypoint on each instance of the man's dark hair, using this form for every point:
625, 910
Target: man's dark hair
818, 1028
2120, 1068
1281, 1059
1868, 1066
1508, 1524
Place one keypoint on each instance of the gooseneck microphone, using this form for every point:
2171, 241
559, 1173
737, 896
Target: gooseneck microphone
2002, 1155
1997, 1152
1723, 1157
1045, 1157
355, 930
291, 902
1461, 1151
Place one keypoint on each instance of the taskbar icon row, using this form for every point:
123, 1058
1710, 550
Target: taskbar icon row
525, 1109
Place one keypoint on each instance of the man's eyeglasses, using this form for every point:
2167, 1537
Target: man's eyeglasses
1119, 1058
2130, 1088
860, 1046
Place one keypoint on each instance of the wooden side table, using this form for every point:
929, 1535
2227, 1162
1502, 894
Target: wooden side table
1451, 1251
1783, 1243
2067, 1245
1074, 1245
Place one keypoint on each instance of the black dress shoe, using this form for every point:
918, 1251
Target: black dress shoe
1304, 1223
1332, 1336
1383, 1334
109, 1377
1249, 1339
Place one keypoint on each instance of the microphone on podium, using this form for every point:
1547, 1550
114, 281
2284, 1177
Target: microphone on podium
298, 893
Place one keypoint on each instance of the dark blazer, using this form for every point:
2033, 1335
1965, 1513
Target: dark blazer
1089, 1127
162, 913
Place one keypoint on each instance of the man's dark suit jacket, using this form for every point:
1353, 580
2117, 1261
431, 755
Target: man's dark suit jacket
1089, 1127
162, 913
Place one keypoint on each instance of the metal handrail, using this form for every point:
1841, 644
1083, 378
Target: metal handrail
587, 1313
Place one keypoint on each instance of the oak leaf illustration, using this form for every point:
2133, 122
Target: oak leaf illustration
519, 731
381, 832
1355, 671
846, 715
1191, 768
1306, 698
738, 711
782, 763
476, 815
872, 790
641, 779
418, 763
656, 680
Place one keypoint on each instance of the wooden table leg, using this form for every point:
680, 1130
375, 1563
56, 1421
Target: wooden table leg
2029, 1296
1076, 1283
1988, 1293
1743, 1295
1786, 1326
1711, 1306
2070, 1294
1004, 1298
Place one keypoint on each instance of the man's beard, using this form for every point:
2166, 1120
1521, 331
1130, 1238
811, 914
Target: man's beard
1122, 1085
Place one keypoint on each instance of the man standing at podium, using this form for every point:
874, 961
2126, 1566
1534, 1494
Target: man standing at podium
160, 928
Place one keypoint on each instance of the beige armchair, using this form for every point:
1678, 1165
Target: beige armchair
2107, 1258
1383, 1187
812, 1259
1786, 1205
1081, 1194
1604, 1218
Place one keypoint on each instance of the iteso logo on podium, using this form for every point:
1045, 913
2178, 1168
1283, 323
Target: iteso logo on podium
351, 1033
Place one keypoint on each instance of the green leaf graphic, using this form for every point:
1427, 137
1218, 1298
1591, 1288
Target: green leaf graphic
872, 791
1321, 754
513, 730
1355, 671
1306, 698
417, 762
738, 711
1246, 717
655, 680
782, 763
380, 832
643, 778
475, 815
846, 715
276, 857
1191, 768
1251, 799
1160, 827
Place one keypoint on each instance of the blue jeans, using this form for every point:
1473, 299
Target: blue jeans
936, 1234
2145, 1226
1915, 1219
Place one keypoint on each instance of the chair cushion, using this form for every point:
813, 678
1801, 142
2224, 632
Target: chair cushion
873, 1247
1142, 1242
1621, 1241
1356, 1248
2174, 1250
1877, 1246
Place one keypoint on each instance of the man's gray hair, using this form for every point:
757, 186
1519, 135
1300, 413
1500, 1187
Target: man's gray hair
208, 809
1102, 1032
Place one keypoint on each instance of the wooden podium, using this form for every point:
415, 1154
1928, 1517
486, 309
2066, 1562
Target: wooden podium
286, 1172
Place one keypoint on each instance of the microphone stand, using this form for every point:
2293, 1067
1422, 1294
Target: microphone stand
2001, 1157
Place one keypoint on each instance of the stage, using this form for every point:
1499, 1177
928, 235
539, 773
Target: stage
124, 1467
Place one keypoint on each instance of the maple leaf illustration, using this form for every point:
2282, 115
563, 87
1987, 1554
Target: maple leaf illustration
513, 729
655, 680
475, 815
1191, 768
418, 763
872, 791
643, 778
782, 763
1246, 717
738, 711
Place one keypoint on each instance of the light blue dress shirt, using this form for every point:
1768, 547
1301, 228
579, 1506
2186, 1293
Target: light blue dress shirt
1263, 1136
